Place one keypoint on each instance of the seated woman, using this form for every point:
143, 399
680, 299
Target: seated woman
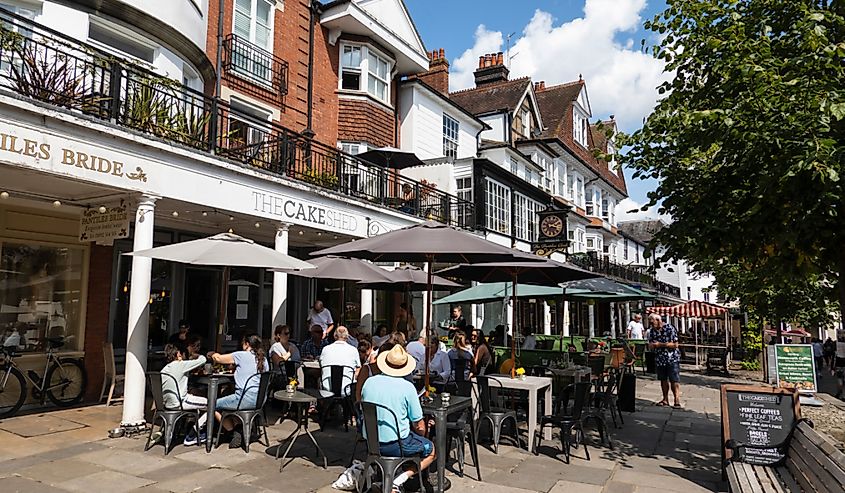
482, 354
248, 362
461, 350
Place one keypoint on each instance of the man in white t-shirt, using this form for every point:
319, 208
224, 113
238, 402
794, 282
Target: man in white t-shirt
320, 315
635, 327
340, 353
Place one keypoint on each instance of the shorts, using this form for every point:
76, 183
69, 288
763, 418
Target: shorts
413, 445
194, 402
230, 402
672, 372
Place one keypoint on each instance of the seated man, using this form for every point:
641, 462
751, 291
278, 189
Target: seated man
340, 353
390, 389
179, 367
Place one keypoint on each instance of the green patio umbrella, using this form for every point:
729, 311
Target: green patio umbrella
497, 291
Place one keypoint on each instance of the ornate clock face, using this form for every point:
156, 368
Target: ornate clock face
551, 226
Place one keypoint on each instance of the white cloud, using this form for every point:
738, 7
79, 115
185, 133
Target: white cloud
631, 210
621, 80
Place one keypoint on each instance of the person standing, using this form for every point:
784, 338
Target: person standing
635, 327
457, 321
663, 341
320, 315
818, 354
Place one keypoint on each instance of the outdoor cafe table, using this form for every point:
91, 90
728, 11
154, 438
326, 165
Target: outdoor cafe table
302, 401
576, 373
441, 411
533, 385
213, 382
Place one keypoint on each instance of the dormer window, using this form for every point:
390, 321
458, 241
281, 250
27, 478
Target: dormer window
363, 69
579, 127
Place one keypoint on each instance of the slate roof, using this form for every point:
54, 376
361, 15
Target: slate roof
556, 103
494, 97
642, 231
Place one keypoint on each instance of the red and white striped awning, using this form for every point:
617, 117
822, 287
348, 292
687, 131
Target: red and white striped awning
693, 309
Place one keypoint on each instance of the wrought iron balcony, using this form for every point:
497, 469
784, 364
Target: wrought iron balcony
636, 274
247, 61
42, 64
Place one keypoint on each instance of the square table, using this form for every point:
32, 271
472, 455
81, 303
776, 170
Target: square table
441, 411
533, 385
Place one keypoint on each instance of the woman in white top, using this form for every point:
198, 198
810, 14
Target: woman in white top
282, 349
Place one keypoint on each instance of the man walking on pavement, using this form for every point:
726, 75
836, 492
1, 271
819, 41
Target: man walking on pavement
635, 327
663, 340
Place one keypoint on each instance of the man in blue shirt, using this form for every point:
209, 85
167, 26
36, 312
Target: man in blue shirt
663, 341
390, 389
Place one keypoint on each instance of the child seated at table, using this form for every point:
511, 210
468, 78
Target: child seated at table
175, 392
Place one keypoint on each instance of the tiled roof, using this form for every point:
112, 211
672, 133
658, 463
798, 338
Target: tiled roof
641, 231
556, 110
492, 97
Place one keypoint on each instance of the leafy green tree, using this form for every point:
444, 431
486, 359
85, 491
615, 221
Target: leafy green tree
747, 142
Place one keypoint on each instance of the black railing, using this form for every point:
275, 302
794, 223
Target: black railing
45, 65
244, 59
636, 274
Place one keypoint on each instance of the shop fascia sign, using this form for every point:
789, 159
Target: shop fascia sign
116, 168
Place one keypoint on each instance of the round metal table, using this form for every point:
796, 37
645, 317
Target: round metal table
213, 381
301, 401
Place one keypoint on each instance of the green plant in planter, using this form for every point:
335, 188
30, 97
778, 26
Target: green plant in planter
320, 178
47, 75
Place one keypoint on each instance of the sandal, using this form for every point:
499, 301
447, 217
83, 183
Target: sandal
677, 405
662, 403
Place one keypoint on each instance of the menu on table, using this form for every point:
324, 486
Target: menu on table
760, 416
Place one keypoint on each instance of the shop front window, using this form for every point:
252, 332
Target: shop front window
41, 295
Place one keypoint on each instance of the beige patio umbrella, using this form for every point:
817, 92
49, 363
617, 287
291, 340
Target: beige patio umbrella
227, 250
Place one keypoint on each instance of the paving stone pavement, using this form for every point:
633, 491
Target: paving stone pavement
657, 449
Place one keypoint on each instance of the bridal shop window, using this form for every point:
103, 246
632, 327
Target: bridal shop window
41, 295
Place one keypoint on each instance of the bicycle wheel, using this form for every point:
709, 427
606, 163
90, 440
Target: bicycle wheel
66, 382
12, 391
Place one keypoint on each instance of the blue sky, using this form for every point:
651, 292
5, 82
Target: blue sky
555, 41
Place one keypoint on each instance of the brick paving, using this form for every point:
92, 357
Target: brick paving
658, 449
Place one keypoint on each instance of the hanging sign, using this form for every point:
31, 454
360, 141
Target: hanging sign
104, 227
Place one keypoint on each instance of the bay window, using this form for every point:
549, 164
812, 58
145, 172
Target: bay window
525, 217
498, 207
363, 69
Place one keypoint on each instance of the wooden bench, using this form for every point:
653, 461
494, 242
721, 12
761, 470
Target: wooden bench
812, 464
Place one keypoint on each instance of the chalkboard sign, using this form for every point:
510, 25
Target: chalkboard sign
756, 415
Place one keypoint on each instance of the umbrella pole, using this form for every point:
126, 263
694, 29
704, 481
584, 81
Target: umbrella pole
513, 331
342, 302
224, 302
428, 316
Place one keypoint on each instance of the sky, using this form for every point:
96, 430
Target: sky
557, 41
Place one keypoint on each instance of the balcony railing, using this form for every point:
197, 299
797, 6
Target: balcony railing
643, 275
42, 64
245, 60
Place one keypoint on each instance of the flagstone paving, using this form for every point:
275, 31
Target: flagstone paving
657, 449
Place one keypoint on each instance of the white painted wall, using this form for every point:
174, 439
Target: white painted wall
421, 121
391, 14
188, 17
498, 124
442, 174
698, 284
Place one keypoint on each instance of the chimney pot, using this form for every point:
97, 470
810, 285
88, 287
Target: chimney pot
500, 58
442, 53
481, 61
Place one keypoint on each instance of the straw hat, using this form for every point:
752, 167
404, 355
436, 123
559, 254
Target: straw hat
396, 362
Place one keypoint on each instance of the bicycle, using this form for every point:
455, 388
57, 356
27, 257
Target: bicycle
63, 380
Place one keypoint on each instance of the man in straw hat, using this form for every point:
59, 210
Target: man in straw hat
392, 390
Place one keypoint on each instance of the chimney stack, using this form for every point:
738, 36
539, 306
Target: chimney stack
540, 86
438, 71
491, 69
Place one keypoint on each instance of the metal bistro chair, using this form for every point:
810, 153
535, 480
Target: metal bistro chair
459, 429
497, 416
340, 383
169, 416
249, 414
567, 422
387, 465
606, 398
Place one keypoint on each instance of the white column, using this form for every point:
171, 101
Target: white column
139, 316
280, 279
591, 319
367, 310
627, 309
547, 319
426, 317
613, 318
566, 318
